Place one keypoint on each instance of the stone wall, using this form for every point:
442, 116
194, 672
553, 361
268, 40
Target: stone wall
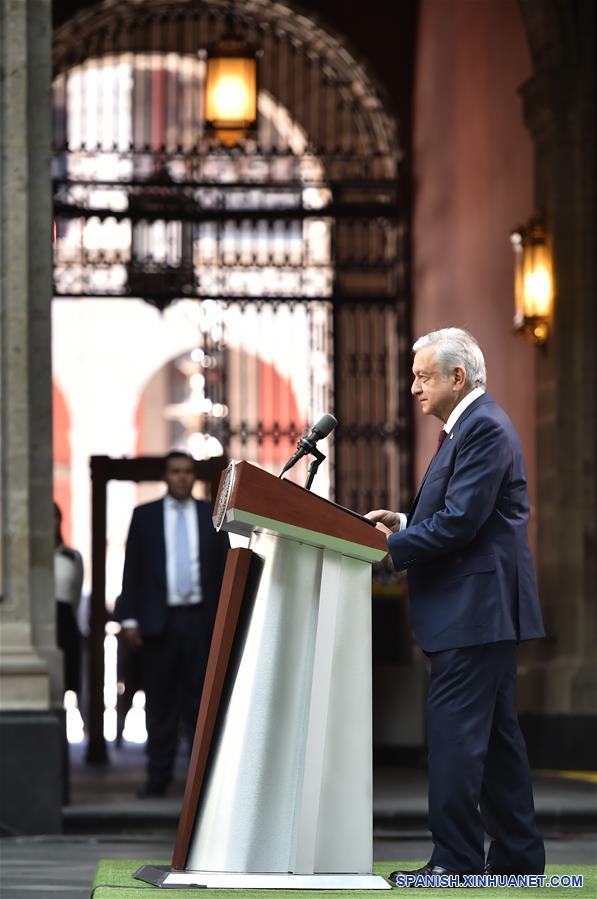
30, 672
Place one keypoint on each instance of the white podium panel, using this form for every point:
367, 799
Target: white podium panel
288, 788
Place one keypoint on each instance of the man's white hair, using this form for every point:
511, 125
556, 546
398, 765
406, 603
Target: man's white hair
453, 347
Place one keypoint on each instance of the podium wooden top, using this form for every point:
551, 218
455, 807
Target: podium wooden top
250, 498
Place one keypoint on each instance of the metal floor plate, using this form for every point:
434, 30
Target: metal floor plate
164, 877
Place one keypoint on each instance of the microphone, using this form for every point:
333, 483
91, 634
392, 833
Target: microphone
324, 426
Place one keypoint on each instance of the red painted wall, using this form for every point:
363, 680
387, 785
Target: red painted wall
473, 182
61, 455
277, 404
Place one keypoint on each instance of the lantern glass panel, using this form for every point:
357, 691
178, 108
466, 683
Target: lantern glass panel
231, 91
537, 285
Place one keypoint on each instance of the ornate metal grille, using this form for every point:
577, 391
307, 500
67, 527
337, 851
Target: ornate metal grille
299, 227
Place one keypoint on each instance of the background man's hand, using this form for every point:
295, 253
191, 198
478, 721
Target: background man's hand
132, 637
388, 522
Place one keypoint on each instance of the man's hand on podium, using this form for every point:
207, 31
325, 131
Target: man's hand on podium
386, 521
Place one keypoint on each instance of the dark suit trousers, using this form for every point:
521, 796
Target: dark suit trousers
69, 641
479, 777
174, 666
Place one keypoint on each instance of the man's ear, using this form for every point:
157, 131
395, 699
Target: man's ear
459, 376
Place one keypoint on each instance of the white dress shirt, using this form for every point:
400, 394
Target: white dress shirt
464, 403
453, 417
171, 507
68, 575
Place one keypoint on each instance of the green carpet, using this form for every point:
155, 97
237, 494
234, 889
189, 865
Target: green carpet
114, 880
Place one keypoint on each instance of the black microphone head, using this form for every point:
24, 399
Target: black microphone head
325, 425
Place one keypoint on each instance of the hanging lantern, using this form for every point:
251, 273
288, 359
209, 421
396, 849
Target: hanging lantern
161, 267
533, 281
231, 90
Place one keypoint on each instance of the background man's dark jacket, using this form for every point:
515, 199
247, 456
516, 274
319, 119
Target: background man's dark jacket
144, 583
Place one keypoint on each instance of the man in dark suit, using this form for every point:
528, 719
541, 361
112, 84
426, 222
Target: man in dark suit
173, 569
473, 597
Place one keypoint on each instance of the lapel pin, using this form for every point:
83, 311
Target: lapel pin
451, 435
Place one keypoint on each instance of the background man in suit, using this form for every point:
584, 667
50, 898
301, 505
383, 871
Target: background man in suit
173, 569
473, 597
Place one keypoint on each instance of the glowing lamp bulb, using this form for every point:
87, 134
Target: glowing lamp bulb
231, 98
537, 289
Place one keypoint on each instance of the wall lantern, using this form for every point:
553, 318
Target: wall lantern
231, 90
533, 281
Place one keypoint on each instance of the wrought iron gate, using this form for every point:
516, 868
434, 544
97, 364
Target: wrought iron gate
299, 228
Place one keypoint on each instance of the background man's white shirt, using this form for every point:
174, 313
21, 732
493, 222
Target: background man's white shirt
171, 507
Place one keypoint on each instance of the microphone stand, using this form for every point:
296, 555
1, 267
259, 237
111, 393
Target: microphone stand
315, 463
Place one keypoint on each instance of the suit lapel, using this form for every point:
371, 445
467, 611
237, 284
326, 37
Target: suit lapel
485, 397
203, 553
480, 401
431, 465
200, 522
158, 526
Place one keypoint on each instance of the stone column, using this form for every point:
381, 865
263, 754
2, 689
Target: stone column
559, 106
31, 729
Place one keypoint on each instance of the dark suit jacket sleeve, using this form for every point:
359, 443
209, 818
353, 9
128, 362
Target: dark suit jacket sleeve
480, 466
127, 605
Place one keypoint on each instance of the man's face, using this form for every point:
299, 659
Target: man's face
436, 395
180, 477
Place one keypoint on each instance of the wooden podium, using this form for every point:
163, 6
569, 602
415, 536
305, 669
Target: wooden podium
279, 788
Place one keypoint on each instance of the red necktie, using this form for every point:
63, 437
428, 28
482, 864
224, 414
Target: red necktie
440, 439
